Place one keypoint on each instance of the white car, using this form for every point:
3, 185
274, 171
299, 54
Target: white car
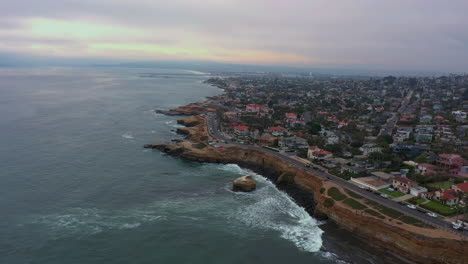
384, 195
432, 214
411, 206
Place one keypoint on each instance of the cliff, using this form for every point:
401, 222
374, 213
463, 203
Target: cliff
383, 228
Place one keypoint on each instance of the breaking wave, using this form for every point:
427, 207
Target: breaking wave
269, 208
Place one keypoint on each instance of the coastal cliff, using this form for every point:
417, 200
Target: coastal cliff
383, 228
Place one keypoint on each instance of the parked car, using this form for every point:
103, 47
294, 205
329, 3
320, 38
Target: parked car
457, 226
402, 203
384, 195
390, 190
411, 206
432, 214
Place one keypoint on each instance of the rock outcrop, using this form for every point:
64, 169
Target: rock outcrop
420, 245
244, 184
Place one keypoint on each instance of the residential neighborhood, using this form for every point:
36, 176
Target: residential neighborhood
404, 138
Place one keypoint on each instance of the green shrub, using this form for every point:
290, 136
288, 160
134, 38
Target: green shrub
322, 190
328, 202
354, 204
199, 146
336, 194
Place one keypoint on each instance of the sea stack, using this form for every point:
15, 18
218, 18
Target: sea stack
244, 184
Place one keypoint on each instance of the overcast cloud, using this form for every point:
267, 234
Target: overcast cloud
384, 34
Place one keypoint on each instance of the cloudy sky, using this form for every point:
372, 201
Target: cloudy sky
381, 34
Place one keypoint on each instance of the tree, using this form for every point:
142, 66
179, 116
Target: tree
421, 158
384, 140
313, 128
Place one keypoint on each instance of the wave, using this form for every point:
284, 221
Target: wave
269, 208
128, 135
173, 124
89, 221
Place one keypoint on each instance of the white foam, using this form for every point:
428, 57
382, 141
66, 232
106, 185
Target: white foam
273, 209
89, 221
173, 124
333, 257
128, 135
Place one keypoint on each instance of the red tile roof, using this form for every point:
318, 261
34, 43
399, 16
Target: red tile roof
463, 186
242, 127
277, 128
448, 194
405, 180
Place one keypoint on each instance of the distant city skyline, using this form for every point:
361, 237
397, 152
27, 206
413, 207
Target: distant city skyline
408, 35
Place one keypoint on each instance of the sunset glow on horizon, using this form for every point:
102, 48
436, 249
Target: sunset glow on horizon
297, 33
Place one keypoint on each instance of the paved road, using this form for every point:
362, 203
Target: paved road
213, 125
387, 129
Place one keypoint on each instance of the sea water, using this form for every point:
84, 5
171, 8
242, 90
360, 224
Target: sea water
76, 185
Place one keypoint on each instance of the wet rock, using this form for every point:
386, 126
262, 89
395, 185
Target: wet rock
244, 184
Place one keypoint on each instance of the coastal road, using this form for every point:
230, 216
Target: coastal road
213, 125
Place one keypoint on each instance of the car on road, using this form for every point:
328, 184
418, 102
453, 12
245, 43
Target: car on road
431, 214
411, 206
384, 195
402, 203
307, 165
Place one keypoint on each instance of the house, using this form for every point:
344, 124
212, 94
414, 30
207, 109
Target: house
291, 116
451, 160
231, 115
385, 177
353, 169
267, 140
425, 168
241, 130
403, 184
276, 131
370, 182
315, 152
293, 142
461, 187
418, 191
257, 108
369, 148
321, 154
448, 197
342, 124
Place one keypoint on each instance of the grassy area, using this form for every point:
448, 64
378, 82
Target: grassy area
353, 194
416, 200
384, 210
390, 212
394, 194
413, 221
199, 145
440, 185
439, 208
354, 204
336, 194
374, 213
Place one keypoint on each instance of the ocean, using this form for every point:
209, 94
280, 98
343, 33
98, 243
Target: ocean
76, 185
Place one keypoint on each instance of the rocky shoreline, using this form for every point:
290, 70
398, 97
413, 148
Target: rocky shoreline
415, 244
